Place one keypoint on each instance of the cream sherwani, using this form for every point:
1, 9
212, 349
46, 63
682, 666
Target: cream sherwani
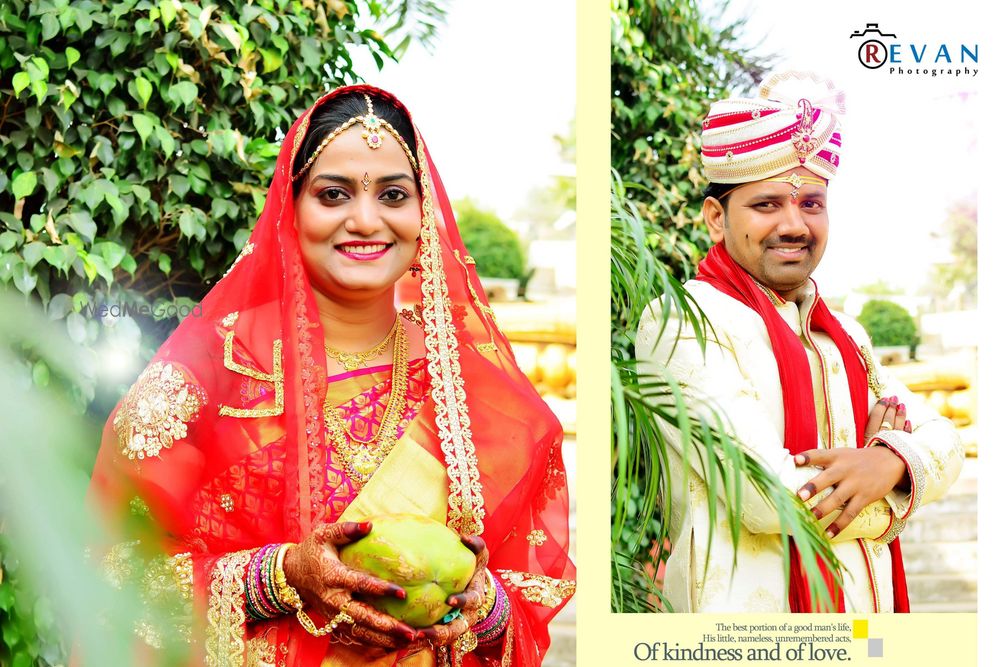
738, 374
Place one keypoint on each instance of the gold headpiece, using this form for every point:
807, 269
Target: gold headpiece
372, 127
797, 181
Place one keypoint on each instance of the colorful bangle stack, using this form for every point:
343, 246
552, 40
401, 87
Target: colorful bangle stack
267, 592
490, 629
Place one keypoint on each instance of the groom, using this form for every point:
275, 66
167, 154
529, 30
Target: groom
797, 382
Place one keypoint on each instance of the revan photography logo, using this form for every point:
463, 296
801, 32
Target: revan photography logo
917, 58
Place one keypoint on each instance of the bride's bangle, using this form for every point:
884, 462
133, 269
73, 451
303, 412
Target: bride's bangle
489, 630
287, 595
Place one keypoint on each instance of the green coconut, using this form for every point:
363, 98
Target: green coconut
426, 558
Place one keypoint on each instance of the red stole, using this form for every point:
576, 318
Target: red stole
719, 270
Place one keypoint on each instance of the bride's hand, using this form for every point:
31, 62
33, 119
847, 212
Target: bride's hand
468, 601
325, 584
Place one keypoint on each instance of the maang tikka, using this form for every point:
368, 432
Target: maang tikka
372, 126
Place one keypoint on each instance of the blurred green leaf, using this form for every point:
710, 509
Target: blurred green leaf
24, 184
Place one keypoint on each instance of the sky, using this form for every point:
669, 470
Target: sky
489, 97
910, 142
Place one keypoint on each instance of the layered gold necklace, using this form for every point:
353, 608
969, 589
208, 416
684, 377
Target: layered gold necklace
360, 460
352, 361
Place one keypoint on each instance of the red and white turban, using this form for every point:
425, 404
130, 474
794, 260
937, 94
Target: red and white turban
792, 122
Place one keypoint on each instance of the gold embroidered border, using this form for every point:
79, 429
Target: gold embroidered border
465, 498
538, 588
245, 251
224, 643
484, 310
277, 378
508, 647
914, 466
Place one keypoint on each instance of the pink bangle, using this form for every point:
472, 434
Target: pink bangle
491, 627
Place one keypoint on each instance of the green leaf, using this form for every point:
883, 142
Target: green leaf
272, 60
164, 263
42, 65
84, 225
89, 269
60, 256
9, 239
80, 299
143, 90
179, 185
116, 107
32, 253
76, 326
24, 279
24, 184
141, 192
106, 83
20, 81
40, 375
112, 252
72, 56
167, 12
128, 264
50, 27
40, 89
241, 237
59, 306
102, 268
12, 222
187, 223
230, 33
166, 140
183, 93
143, 125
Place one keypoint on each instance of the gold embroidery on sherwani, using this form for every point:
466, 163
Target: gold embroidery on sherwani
538, 588
155, 412
874, 383
224, 642
763, 600
465, 498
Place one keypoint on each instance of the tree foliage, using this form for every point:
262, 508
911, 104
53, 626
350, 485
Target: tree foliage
138, 139
961, 275
888, 323
495, 246
669, 63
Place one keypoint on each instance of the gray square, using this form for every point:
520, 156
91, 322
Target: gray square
874, 648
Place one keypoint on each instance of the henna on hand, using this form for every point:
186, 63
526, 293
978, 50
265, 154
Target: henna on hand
314, 569
469, 600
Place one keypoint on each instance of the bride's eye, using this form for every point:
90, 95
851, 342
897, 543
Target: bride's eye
395, 195
332, 194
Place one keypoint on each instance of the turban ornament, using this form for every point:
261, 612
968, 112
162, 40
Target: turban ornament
793, 122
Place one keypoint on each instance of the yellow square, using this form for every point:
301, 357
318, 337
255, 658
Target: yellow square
861, 629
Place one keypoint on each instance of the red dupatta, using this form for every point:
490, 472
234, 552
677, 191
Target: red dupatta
220, 473
722, 272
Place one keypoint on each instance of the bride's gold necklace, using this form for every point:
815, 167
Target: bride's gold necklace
360, 461
352, 361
